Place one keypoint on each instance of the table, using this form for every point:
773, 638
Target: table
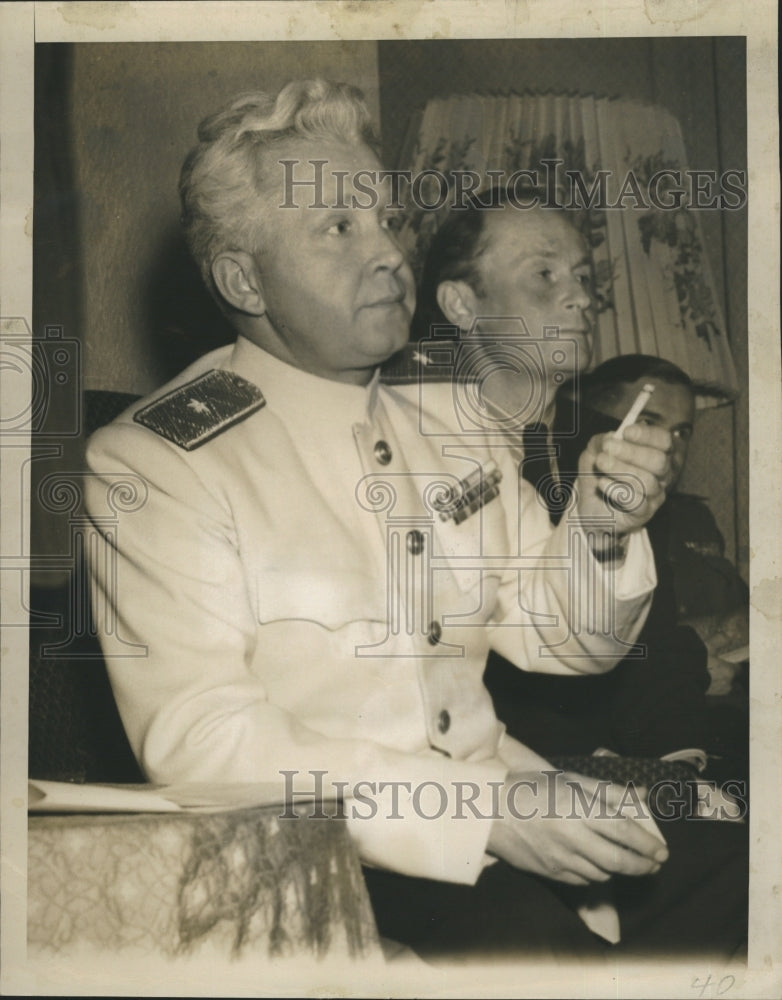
241, 882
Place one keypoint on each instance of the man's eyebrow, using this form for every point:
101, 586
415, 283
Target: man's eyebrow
656, 415
319, 214
525, 254
536, 251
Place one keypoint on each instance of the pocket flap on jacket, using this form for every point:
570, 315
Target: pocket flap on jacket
331, 598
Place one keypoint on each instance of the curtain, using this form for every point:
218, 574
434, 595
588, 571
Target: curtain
655, 292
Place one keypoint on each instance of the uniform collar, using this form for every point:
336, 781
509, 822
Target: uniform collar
296, 394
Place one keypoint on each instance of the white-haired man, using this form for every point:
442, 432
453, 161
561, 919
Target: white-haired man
319, 568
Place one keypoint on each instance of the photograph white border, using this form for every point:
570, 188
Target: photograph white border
21, 24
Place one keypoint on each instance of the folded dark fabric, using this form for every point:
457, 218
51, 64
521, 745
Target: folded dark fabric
641, 771
671, 786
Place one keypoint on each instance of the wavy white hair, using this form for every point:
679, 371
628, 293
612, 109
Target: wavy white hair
222, 178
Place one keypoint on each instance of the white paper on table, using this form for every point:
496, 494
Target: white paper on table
68, 797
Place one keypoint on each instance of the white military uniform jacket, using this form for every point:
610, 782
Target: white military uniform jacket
314, 582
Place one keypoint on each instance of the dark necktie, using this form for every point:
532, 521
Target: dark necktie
538, 470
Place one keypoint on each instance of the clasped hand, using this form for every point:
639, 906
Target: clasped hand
551, 831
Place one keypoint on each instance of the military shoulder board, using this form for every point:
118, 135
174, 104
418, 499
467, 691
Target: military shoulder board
472, 493
422, 361
197, 411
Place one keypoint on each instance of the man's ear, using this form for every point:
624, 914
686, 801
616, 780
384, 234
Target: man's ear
236, 275
458, 303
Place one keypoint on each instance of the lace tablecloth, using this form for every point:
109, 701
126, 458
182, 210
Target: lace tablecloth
240, 882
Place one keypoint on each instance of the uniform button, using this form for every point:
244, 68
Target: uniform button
415, 542
382, 452
444, 721
435, 631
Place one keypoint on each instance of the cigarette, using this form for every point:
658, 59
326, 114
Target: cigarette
635, 410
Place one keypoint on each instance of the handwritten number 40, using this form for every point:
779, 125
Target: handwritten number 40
722, 986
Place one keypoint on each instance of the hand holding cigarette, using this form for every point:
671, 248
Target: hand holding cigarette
625, 476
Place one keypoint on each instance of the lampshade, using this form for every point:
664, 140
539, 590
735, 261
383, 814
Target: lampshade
623, 163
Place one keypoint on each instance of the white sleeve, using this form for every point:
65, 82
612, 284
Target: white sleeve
577, 615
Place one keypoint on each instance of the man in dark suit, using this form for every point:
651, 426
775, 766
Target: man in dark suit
516, 285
